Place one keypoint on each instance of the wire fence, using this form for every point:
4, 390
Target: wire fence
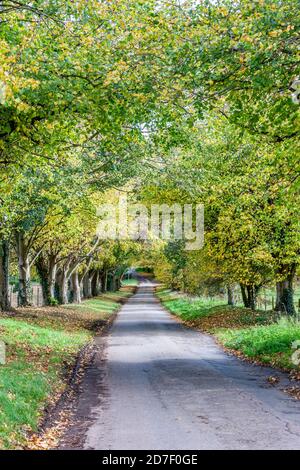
266, 300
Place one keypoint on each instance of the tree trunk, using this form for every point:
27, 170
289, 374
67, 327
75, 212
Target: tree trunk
24, 271
252, 296
4, 276
244, 295
63, 289
249, 295
230, 295
87, 286
76, 288
279, 290
111, 283
95, 284
42, 270
103, 278
52, 276
46, 269
285, 294
62, 280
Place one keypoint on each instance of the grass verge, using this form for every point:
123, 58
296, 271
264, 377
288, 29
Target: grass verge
129, 282
270, 344
259, 336
42, 345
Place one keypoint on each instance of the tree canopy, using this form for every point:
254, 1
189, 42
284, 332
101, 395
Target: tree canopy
177, 101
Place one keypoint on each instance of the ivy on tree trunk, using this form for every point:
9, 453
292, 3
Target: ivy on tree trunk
285, 293
24, 270
4, 275
46, 268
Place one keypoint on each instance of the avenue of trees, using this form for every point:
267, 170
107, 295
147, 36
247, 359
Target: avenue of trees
182, 101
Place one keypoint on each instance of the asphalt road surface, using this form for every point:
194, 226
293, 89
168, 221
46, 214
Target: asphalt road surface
158, 385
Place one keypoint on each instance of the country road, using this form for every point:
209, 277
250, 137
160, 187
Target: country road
157, 385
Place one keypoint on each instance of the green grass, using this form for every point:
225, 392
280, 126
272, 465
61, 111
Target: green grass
189, 309
270, 344
96, 305
259, 335
41, 347
129, 282
32, 372
211, 314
